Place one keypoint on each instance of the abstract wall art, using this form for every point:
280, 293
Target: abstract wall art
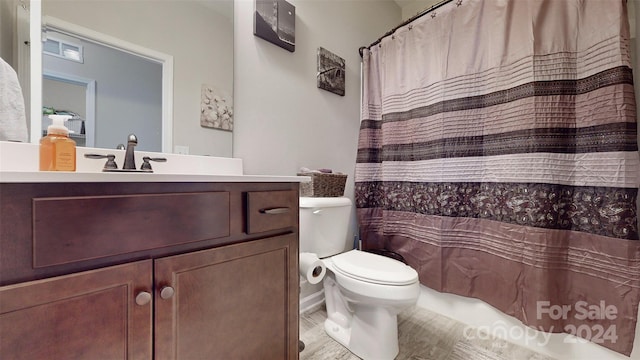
275, 21
216, 109
331, 71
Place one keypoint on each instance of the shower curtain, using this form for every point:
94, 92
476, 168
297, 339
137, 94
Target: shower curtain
498, 154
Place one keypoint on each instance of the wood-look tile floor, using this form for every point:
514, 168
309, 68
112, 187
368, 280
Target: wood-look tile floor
422, 335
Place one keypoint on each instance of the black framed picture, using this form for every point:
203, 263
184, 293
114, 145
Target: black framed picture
275, 21
331, 71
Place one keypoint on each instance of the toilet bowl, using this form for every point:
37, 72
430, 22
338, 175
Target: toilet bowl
364, 292
362, 309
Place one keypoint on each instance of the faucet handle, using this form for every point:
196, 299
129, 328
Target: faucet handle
111, 160
146, 165
132, 138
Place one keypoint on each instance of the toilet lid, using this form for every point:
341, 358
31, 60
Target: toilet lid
374, 268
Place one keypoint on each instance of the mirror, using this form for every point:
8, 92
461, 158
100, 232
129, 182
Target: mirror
188, 42
110, 87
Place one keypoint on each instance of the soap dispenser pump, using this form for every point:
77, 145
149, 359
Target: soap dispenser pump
57, 150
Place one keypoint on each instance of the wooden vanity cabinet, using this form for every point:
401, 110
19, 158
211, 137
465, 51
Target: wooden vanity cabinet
87, 315
244, 316
234, 296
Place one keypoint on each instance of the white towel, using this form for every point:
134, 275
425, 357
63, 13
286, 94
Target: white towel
13, 122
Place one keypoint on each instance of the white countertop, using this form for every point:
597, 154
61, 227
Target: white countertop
78, 177
19, 164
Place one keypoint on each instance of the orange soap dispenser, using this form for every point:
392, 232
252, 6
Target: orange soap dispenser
57, 150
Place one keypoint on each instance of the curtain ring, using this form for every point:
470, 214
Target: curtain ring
393, 37
410, 27
433, 14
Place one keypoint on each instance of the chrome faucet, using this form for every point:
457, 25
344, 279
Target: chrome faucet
129, 157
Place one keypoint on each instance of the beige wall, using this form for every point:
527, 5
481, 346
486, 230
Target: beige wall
411, 8
283, 121
7, 30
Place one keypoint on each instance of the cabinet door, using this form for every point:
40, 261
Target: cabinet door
233, 302
87, 315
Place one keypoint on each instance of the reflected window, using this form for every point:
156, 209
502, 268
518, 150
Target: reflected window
63, 49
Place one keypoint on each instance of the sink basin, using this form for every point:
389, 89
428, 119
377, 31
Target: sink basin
19, 162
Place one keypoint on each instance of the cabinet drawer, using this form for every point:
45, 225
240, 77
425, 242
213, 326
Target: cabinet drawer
271, 210
70, 229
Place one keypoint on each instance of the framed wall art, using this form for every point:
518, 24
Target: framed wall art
216, 109
275, 21
331, 71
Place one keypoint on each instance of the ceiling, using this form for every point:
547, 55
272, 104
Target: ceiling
412, 7
402, 3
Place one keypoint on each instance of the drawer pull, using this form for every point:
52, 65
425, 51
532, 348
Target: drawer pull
166, 292
275, 211
143, 298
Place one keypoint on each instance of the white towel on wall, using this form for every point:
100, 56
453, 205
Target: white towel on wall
13, 122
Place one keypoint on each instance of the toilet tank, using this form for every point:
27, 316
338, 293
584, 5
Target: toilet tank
324, 224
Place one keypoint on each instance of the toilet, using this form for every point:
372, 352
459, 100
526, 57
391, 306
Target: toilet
364, 292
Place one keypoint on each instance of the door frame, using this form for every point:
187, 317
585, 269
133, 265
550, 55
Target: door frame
90, 100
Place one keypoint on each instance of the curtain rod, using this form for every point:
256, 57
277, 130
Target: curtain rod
418, 15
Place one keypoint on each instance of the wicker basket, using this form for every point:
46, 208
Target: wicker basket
323, 185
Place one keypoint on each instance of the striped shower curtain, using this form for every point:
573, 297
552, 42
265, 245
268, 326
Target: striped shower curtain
498, 154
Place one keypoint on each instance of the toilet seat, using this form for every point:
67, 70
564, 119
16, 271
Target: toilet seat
372, 268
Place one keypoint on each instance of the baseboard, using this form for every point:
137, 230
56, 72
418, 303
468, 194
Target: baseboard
311, 301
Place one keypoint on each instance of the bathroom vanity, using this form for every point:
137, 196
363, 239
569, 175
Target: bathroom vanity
203, 267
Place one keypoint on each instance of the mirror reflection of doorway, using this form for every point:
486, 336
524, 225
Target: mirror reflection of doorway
128, 89
75, 97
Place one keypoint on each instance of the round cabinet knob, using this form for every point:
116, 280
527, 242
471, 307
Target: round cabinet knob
166, 292
143, 298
